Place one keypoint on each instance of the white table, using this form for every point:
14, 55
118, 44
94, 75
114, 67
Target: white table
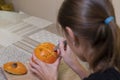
21, 33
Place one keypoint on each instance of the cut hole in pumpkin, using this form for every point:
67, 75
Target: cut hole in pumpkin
14, 65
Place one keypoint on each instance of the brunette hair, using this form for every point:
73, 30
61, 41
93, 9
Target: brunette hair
86, 19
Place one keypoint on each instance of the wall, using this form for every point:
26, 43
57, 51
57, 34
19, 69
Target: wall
48, 8
116, 4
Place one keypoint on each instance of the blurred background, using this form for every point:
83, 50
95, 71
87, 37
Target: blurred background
48, 9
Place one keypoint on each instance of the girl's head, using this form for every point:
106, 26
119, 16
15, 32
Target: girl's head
88, 35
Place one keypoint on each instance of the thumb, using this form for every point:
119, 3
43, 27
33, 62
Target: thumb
57, 62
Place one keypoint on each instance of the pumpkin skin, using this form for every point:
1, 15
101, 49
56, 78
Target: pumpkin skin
45, 52
15, 68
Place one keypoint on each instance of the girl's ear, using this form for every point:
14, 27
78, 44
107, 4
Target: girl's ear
70, 33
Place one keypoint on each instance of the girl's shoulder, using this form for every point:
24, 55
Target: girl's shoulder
108, 74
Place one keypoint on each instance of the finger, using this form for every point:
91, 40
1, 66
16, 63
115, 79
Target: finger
61, 45
34, 65
61, 48
58, 52
57, 62
33, 56
32, 69
35, 59
36, 72
39, 62
68, 48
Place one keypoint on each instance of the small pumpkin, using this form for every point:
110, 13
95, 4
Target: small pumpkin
17, 68
7, 7
45, 52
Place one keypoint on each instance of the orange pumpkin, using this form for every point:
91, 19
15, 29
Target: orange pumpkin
45, 52
17, 68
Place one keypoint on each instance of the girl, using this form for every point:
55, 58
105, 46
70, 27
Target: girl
91, 33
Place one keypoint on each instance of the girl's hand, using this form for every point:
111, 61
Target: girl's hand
71, 60
43, 70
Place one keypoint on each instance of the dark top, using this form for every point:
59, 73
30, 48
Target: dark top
109, 74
